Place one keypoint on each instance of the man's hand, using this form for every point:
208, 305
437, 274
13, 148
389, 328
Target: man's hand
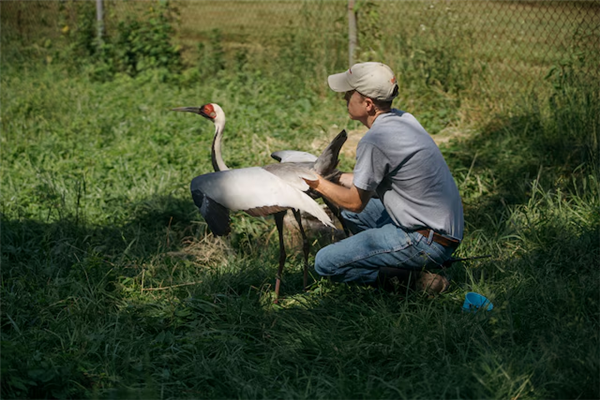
350, 198
313, 184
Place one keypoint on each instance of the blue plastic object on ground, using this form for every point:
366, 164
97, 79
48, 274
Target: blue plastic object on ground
475, 301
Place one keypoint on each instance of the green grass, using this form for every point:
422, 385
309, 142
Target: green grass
112, 287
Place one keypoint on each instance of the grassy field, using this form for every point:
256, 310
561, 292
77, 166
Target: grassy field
112, 286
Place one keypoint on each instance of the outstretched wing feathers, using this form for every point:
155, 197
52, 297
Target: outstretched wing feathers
293, 174
328, 159
324, 164
254, 190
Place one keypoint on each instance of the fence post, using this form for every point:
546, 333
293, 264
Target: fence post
99, 20
352, 41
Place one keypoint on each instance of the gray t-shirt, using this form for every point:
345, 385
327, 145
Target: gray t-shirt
400, 161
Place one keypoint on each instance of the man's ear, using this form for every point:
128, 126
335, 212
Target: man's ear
370, 105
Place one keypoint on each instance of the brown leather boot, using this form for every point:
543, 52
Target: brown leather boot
432, 284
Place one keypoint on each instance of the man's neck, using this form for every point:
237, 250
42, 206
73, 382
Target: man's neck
371, 118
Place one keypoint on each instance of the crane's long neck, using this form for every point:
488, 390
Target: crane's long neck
216, 157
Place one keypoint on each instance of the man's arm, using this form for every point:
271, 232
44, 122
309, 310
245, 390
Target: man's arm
344, 195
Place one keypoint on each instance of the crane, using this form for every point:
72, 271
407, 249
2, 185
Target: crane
260, 191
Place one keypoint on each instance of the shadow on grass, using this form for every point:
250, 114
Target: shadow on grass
547, 301
512, 156
64, 283
146, 230
163, 237
80, 328
67, 284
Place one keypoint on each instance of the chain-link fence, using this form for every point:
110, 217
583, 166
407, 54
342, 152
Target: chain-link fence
515, 42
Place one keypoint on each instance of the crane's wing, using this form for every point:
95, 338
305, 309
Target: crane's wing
328, 159
293, 174
254, 190
293, 156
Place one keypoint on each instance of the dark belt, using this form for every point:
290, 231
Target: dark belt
443, 240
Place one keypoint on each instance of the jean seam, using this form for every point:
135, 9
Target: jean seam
374, 253
419, 238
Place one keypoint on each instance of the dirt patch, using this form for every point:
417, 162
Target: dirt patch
354, 136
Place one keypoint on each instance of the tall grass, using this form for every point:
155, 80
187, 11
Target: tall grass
112, 286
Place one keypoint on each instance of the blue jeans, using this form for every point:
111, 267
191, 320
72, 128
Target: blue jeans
376, 242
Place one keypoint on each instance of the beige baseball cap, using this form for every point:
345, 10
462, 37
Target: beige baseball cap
371, 79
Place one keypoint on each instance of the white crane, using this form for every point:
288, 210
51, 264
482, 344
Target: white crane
261, 191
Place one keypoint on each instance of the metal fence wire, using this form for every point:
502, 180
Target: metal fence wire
512, 41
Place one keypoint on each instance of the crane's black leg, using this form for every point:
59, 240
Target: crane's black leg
282, 256
305, 244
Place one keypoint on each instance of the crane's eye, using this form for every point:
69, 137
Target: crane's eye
209, 111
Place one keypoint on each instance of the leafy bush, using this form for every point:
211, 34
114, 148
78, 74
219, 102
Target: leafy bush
145, 43
139, 43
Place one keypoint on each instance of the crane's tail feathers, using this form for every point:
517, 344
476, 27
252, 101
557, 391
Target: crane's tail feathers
316, 211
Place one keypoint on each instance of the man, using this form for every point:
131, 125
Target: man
401, 202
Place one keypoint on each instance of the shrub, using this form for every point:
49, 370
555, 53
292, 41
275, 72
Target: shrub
139, 43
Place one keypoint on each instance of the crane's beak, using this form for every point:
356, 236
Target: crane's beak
195, 110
